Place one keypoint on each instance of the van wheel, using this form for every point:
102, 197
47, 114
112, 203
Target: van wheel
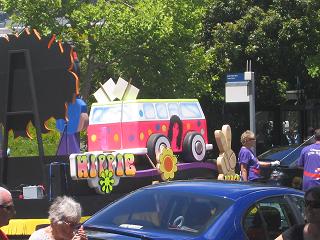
154, 144
194, 147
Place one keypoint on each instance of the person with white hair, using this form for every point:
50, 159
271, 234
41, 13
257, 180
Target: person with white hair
249, 163
64, 216
7, 210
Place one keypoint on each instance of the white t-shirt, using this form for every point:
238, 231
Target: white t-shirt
39, 235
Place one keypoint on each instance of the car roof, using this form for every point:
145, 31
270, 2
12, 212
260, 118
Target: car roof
225, 189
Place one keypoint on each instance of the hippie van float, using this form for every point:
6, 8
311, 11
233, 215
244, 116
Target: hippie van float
153, 137
156, 140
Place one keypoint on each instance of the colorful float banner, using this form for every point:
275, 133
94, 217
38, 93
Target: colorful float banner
94, 164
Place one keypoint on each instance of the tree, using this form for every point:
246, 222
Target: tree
156, 43
278, 36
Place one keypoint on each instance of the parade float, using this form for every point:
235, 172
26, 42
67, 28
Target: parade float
132, 142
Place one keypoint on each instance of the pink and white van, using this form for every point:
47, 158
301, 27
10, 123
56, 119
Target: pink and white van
142, 126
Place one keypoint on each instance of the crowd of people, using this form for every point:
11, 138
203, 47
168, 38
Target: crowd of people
309, 160
64, 216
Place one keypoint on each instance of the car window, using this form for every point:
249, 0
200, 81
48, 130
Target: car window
298, 202
268, 218
167, 211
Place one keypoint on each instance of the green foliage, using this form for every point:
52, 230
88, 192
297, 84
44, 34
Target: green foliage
22, 146
267, 87
280, 37
313, 66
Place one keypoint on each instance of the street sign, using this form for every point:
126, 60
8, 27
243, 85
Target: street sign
235, 77
237, 91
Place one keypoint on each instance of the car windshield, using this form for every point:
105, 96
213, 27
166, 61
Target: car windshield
162, 211
288, 155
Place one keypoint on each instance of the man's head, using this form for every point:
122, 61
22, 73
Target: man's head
317, 134
7, 210
312, 203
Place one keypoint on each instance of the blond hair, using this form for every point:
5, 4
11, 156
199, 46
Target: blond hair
245, 137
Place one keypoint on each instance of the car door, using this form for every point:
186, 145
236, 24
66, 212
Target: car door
268, 218
297, 203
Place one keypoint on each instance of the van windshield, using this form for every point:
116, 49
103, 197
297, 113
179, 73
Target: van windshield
112, 114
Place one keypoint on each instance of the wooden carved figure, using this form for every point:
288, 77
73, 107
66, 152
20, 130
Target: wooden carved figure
226, 161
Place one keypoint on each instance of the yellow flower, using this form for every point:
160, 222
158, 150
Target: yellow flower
168, 164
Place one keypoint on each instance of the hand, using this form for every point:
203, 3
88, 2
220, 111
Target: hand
275, 163
80, 234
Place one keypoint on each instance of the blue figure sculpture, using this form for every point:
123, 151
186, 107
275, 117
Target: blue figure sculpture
70, 128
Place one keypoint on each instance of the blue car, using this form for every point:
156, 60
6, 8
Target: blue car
199, 209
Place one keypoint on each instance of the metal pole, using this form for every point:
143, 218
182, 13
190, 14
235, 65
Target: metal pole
249, 76
252, 107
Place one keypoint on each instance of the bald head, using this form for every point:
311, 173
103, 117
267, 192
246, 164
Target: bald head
5, 196
7, 210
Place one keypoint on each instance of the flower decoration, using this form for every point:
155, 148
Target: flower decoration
168, 164
106, 181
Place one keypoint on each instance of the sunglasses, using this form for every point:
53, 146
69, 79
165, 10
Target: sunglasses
312, 204
69, 224
7, 207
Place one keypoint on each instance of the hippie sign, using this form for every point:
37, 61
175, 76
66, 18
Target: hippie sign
102, 170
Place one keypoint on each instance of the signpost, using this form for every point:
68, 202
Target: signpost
235, 77
240, 88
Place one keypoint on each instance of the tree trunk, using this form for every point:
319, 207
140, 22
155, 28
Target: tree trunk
87, 80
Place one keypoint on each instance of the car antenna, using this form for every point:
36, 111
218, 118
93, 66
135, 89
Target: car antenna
296, 148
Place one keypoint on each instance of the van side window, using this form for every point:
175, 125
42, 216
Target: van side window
190, 110
130, 113
173, 109
161, 109
149, 112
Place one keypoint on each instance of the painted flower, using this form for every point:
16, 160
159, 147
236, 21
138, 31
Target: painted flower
168, 164
106, 181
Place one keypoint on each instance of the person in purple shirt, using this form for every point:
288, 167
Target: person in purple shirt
249, 163
310, 161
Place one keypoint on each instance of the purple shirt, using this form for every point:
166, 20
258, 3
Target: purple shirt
253, 168
310, 161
